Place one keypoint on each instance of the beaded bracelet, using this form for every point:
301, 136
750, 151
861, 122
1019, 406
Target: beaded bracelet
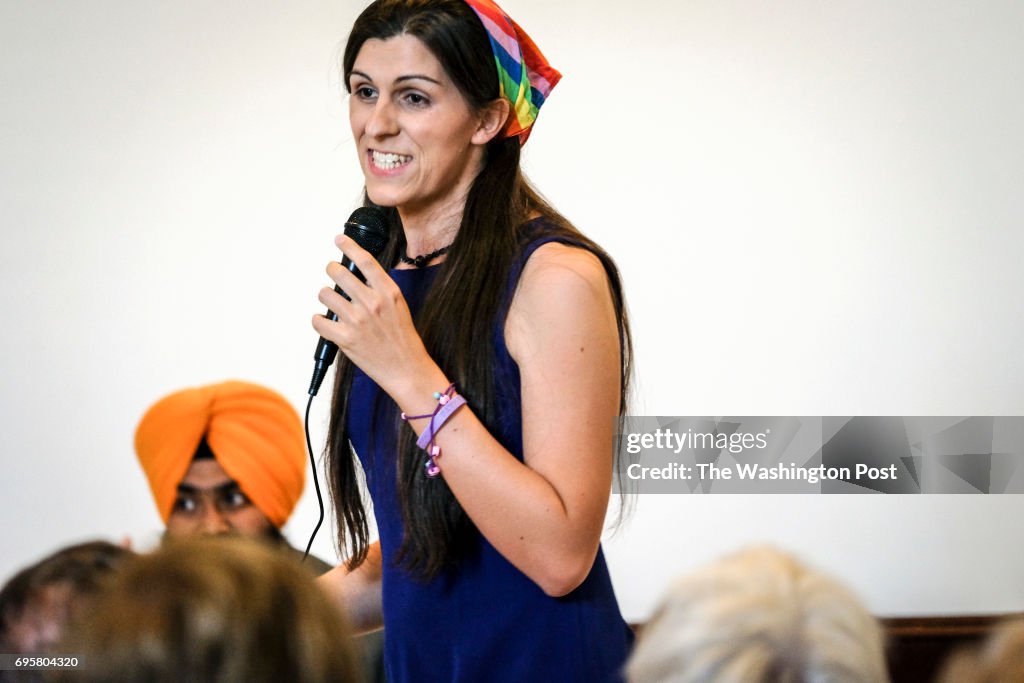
447, 403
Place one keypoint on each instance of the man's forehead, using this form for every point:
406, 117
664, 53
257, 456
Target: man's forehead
221, 488
206, 475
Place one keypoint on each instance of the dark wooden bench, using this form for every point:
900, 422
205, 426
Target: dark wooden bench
918, 646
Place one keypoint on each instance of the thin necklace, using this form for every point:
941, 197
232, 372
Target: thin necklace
422, 260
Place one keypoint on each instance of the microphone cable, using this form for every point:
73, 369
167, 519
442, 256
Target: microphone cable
316, 481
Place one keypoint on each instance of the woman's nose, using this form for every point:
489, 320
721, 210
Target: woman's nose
382, 121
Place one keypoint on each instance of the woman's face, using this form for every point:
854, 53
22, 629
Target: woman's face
420, 145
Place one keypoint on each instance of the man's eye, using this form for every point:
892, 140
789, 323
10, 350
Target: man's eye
185, 504
234, 499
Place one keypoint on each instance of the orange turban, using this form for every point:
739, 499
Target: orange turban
254, 433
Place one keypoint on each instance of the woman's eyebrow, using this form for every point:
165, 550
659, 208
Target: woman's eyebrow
421, 77
409, 77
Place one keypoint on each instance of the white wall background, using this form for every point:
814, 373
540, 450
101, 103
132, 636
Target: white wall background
815, 207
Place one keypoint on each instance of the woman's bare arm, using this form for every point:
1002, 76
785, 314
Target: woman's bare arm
358, 592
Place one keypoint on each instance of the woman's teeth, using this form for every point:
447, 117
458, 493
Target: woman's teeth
388, 160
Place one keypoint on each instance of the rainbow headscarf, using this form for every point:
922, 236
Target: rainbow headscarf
524, 76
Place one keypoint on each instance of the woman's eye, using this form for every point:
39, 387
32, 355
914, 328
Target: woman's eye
365, 92
416, 99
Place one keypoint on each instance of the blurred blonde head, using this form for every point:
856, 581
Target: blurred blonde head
998, 659
224, 609
759, 616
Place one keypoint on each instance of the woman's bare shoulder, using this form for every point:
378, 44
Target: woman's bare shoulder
564, 266
563, 291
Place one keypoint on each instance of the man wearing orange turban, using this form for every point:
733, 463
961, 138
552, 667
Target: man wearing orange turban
224, 458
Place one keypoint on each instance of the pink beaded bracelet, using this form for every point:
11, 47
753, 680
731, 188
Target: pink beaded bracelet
447, 403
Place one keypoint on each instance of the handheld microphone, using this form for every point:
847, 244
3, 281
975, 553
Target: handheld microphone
368, 226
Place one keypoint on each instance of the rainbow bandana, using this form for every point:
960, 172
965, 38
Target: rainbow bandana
524, 76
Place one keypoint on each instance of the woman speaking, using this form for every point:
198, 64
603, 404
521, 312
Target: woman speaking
484, 367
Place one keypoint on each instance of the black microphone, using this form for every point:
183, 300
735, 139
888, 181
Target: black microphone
368, 226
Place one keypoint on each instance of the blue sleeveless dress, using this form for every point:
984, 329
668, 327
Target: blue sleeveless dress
483, 621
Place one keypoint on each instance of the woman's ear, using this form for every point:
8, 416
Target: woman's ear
492, 120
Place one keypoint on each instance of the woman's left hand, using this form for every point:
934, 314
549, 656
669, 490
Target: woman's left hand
375, 329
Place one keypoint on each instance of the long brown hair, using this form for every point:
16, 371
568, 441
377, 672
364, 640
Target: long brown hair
458, 317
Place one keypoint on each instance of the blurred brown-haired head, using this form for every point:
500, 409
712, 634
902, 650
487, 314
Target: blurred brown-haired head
222, 609
37, 603
998, 659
